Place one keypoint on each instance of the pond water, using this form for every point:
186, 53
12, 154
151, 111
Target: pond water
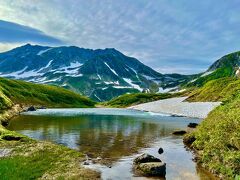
113, 137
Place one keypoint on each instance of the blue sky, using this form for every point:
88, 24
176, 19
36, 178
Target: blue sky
180, 36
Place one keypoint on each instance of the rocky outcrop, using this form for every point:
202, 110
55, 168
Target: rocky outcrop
192, 125
148, 165
179, 132
31, 108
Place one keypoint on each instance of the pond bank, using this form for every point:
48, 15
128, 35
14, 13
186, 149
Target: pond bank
178, 106
19, 154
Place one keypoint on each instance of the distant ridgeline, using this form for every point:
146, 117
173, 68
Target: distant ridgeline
227, 66
98, 74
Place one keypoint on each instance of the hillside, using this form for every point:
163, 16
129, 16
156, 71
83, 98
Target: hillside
100, 74
218, 136
134, 99
223, 67
25, 93
216, 90
218, 139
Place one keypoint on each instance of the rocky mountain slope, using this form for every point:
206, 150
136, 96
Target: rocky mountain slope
99, 74
227, 66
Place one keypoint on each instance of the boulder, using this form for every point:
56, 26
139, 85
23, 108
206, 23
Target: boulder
192, 125
152, 169
31, 108
160, 150
144, 158
148, 165
179, 132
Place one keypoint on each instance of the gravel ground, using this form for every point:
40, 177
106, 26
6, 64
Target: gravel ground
176, 106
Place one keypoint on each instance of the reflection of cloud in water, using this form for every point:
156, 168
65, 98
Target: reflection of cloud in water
112, 137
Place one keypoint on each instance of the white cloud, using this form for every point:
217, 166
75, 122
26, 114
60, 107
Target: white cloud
159, 33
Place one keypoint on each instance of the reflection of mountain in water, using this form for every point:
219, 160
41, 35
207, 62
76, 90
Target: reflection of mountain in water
106, 136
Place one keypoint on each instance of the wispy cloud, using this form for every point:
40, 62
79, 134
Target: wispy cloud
163, 34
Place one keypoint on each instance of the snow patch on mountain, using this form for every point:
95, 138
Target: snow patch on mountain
135, 86
22, 74
206, 73
47, 66
111, 69
43, 51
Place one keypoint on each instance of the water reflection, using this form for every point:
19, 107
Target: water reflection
114, 138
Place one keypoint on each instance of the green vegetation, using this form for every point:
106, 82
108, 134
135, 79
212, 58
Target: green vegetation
219, 73
221, 89
218, 136
224, 67
25, 93
134, 99
30, 159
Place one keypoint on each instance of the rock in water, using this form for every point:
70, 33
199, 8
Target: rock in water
148, 165
160, 150
144, 158
31, 108
179, 132
152, 169
192, 125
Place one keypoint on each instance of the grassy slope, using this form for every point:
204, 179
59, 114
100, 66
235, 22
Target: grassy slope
226, 68
218, 136
31, 159
134, 99
216, 90
34, 94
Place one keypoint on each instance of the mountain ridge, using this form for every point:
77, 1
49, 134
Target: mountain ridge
100, 74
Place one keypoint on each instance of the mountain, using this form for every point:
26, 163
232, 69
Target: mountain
98, 74
227, 66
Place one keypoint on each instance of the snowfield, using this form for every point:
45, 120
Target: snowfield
177, 106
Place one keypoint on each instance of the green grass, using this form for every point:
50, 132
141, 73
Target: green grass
134, 99
25, 93
218, 136
221, 89
32, 159
219, 73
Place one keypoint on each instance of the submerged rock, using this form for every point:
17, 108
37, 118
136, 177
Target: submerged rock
179, 132
160, 151
192, 125
31, 108
148, 165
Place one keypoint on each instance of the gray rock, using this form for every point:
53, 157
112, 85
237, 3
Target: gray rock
144, 158
152, 169
179, 132
148, 165
192, 125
